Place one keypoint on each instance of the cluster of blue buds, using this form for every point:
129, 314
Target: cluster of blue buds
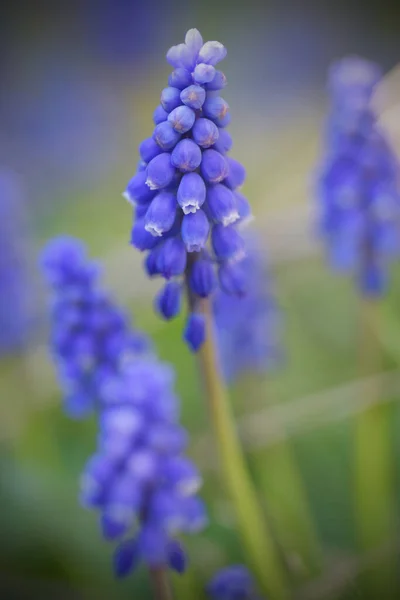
233, 583
15, 320
139, 479
247, 327
358, 183
90, 336
186, 189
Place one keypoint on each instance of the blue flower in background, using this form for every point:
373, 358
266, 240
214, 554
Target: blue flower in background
185, 191
358, 182
247, 322
233, 583
15, 318
139, 479
90, 336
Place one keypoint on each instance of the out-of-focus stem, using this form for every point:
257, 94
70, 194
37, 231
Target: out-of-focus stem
160, 583
257, 539
374, 470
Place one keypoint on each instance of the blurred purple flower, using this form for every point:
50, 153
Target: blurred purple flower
16, 293
358, 181
90, 335
247, 321
233, 583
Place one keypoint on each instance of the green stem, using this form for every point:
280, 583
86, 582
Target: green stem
257, 539
160, 583
288, 509
374, 469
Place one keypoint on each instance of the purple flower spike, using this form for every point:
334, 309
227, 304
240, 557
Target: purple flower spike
187, 158
358, 170
232, 583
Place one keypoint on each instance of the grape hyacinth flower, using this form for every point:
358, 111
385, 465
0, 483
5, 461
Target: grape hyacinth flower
186, 189
15, 319
233, 583
247, 321
358, 182
90, 336
139, 479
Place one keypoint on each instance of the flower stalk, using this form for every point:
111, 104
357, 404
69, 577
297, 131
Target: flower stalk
257, 538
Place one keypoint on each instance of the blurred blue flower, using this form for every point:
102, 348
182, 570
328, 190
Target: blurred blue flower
247, 319
15, 317
139, 478
185, 189
233, 583
358, 181
90, 336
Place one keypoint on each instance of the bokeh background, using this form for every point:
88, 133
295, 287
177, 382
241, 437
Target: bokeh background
79, 84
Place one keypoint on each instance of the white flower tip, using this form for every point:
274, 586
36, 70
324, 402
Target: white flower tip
127, 197
153, 229
190, 206
230, 218
151, 185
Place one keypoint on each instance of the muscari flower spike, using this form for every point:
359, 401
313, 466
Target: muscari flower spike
15, 320
139, 479
186, 188
358, 181
248, 320
90, 336
233, 583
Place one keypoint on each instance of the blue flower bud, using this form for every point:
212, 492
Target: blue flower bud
137, 190
195, 230
194, 41
176, 557
181, 56
195, 331
181, 474
180, 78
212, 53
182, 118
193, 96
141, 210
237, 174
221, 204
218, 83
191, 192
215, 108
202, 277
148, 149
166, 136
159, 115
172, 258
226, 242
126, 557
203, 73
170, 98
160, 215
232, 278
244, 208
160, 171
205, 133
214, 167
140, 238
186, 156
151, 261
224, 142
169, 299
